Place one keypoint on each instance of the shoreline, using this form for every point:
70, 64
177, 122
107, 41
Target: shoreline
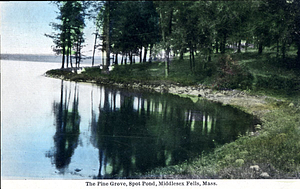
242, 154
252, 104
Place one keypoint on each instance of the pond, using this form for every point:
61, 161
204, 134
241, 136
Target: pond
54, 129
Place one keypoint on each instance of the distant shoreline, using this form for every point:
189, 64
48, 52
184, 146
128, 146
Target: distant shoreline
40, 58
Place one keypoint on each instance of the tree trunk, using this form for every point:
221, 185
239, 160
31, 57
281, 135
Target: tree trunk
193, 58
150, 53
93, 59
181, 54
133, 58
71, 61
116, 59
145, 54
108, 36
167, 68
191, 64
77, 56
122, 59
141, 51
103, 57
209, 53
130, 58
239, 46
63, 57
67, 56
217, 46
79, 52
260, 48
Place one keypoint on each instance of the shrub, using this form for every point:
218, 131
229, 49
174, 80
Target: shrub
231, 75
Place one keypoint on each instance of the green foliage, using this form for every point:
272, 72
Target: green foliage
131, 26
232, 75
69, 31
275, 150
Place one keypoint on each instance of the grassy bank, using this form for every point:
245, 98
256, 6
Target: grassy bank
271, 152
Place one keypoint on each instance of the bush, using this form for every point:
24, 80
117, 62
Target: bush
231, 75
275, 82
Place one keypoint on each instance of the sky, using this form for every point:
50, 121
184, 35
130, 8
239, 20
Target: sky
24, 23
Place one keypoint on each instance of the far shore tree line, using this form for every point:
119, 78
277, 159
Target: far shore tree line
130, 29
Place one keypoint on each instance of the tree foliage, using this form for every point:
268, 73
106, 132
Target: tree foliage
131, 28
69, 32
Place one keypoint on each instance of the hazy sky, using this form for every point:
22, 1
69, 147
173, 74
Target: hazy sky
24, 23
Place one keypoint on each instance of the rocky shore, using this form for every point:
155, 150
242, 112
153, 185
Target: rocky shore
252, 104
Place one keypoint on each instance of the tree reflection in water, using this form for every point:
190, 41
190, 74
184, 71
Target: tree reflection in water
136, 132
67, 121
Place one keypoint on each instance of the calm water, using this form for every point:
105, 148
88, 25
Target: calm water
53, 129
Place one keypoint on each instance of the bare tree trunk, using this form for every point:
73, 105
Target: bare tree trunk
67, 56
93, 59
191, 65
63, 57
71, 61
151, 47
102, 57
193, 56
77, 56
116, 59
181, 54
260, 48
108, 37
168, 61
145, 53
209, 53
130, 58
141, 51
239, 46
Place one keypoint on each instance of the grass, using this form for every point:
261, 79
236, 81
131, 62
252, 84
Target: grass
275, 148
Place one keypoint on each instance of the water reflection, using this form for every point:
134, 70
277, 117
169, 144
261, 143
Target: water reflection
67, 121
136, 132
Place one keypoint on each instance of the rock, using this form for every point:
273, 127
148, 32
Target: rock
258, 127
264, 175
234, 92
291, 105
219, 95
255, 167
239, 162
78, 170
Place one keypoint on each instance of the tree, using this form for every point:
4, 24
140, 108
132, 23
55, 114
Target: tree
70, 30
166, 14
133, 26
